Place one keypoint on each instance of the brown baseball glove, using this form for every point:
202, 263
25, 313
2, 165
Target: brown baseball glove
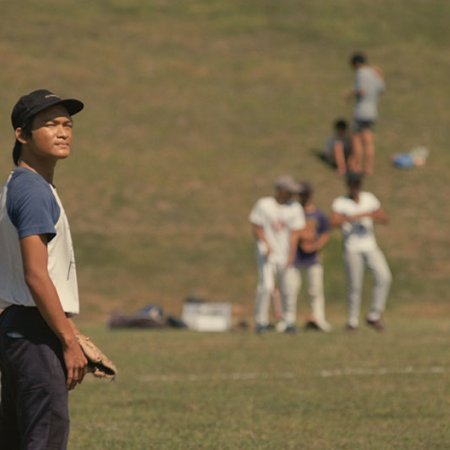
98, 363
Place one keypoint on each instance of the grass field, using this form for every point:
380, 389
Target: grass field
193, 107
186, 390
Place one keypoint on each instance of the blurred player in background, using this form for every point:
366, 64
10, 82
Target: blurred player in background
276, 223
338, 147
312, 240
355, 213
367, 88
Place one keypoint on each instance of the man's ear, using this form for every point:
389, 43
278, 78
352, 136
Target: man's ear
21, 135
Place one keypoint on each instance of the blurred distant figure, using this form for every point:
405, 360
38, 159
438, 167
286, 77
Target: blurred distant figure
355, 213
276, 222
312, 240
368, 86
338, 147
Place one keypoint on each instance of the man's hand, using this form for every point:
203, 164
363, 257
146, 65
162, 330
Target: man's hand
291, 260
347, 94
76, 364
378, 216
35, 267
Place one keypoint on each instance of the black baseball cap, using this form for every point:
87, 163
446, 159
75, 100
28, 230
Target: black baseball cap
33, 103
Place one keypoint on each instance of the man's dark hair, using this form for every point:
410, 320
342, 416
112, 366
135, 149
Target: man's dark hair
358, 58
17, 150
340, 124
354, 178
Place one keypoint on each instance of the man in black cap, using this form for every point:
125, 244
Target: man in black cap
40, 359
356, 213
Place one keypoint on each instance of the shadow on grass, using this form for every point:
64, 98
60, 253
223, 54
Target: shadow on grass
318, 154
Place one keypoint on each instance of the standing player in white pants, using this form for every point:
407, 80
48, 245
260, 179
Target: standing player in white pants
355, 214
312, 240
276, 223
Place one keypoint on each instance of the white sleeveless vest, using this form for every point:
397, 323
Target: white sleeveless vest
61, 262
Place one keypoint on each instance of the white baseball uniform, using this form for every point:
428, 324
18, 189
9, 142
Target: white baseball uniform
361, 250
278, 222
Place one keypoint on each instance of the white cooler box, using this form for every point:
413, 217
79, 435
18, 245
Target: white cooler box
207, 316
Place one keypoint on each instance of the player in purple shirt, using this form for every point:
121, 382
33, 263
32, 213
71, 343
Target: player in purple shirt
313, 238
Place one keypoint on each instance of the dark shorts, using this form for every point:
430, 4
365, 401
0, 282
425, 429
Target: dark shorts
34, 399
360, 125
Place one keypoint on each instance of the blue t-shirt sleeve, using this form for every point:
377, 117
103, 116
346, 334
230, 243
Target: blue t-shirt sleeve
323, 223
32, 207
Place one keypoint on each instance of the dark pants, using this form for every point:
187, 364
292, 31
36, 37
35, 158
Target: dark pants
34, 399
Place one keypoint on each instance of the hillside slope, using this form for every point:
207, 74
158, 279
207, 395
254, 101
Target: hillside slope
194, 107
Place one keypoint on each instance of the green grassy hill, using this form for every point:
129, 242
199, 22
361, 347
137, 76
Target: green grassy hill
194, 107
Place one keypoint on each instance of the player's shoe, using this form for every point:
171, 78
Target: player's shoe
318, 326
376, 324
259, 328
281, 326
291, 329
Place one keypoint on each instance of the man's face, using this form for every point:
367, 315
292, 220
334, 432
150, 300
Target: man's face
341, 132
283, 196
303, 198
51, 131
354, 188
